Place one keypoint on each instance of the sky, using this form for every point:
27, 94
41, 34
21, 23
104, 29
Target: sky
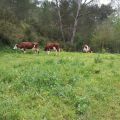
104, 1
101, 1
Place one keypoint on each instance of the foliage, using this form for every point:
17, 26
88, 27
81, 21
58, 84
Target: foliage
106, 37
8, 32
34, 20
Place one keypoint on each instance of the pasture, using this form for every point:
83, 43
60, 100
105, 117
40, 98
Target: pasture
69, 86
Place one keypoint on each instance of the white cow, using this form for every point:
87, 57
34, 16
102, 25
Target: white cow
86, 48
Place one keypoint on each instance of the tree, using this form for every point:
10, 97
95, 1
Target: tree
79, 2
106, 36
116, 5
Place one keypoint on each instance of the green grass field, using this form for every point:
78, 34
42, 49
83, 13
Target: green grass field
70, 86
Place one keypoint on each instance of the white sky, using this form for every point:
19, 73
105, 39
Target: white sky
104, 1
101, 1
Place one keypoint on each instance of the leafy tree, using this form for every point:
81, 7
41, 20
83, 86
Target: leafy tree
106, 37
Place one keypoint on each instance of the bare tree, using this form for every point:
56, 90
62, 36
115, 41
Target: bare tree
79, 3
60, 19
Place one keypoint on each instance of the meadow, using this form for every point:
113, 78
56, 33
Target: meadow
69, 86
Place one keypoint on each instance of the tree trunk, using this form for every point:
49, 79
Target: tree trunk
60, 20
76, 21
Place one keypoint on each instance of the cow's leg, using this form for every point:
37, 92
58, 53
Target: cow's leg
38, 50
24, 51
48, 52
15, 47
58, 51
33, 49
54, 48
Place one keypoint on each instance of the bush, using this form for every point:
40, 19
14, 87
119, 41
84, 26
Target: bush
8, 32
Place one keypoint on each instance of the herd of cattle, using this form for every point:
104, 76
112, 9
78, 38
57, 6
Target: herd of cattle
50, 46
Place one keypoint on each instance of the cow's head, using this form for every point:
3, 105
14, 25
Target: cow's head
15, 47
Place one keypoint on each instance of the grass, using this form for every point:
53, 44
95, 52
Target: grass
70, 86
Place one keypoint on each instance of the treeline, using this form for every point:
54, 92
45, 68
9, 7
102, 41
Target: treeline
42, 21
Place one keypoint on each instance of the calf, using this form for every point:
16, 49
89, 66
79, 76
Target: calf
27, 45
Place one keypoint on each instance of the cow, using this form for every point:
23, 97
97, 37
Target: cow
52, 46
27, 45
86, 49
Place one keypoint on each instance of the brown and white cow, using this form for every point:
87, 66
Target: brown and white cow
27, 45
52, 46
86, 49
